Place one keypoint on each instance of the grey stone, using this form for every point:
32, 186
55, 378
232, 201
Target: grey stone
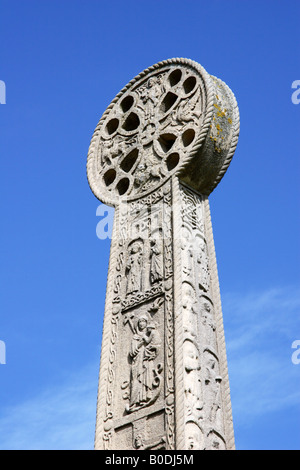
160, 148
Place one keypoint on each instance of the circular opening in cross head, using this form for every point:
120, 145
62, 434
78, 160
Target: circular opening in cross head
172, 161
188, 137
127, 103
112, 126
109, 176
168, 102
131, 123
129, 161
175, 77
189, 84
123, 186
166, 141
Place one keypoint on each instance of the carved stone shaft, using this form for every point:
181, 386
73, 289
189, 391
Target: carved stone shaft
160, 148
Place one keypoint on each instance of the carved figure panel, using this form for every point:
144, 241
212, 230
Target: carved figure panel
156, 260
212, 392
189, 309
209, 325
143, 362
192, 382
134, 267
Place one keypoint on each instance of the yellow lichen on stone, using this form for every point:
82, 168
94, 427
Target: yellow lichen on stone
221, 113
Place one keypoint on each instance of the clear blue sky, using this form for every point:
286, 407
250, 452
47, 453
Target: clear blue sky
62, 63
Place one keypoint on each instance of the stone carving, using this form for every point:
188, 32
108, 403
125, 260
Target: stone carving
189, 305
156, 266
160, 148
202, 382
213, 382
194, 436
155, 124
141, 297
216, 441
134, 267
139, 437
204, 275
145, 377
192, 381
209, 325
111, 374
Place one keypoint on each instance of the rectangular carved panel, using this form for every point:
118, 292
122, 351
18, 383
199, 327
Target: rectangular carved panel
140, 364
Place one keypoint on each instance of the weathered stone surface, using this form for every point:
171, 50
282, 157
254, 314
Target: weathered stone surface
160, 148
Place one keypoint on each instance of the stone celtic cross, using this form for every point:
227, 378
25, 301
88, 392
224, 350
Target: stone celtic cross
159, 150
